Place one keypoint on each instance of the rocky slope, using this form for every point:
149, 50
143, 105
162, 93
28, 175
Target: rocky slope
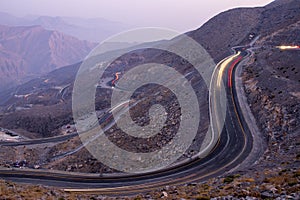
227, 30
272, 81
31, 51
239, 26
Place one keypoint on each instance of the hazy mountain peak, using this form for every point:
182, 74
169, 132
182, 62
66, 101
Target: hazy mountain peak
31, 51
93, 29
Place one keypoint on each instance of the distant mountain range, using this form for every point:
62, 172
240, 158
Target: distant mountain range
27, 52
94, 29
34, 45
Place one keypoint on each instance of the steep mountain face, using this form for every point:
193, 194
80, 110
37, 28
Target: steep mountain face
32, 51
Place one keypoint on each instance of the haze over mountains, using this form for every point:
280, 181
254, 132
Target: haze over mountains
27, 52
93, 29
34, 45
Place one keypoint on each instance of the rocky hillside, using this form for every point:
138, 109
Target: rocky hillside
239, 26
227, 30
272, 81
272, 85
31, 51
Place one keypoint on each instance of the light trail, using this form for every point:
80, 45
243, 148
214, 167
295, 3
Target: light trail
223, 67
231, 70
117, 78
288, 47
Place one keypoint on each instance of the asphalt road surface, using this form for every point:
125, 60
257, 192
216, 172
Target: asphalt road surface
234, 145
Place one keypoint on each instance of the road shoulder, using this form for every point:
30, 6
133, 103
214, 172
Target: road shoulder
259, 144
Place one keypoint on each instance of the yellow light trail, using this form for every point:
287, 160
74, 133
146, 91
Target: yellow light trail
223, 66
288, 47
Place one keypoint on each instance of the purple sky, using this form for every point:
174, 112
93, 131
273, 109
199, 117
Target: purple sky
180, 15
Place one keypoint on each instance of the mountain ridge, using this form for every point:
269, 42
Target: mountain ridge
33, 51
91, 29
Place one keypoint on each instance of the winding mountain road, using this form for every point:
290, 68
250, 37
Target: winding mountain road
234, 145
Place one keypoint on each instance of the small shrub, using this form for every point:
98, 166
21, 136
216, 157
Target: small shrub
228, 179
237, 176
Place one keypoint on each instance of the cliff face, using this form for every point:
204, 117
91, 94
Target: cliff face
32, 51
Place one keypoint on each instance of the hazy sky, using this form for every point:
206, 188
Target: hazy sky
181, 15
